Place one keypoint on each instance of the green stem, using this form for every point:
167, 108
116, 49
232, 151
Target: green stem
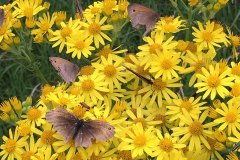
175, 5
189, 24
235, 19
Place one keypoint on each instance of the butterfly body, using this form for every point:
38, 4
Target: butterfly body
2, 16
67, 70
80, 131
141, 15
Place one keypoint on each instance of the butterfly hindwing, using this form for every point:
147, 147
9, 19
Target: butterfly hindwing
101, 130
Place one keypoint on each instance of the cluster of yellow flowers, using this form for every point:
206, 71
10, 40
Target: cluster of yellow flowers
152, 114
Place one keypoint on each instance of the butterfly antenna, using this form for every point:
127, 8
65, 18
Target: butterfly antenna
145, 79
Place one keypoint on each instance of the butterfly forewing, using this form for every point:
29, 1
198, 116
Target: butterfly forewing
63, 121
67, 70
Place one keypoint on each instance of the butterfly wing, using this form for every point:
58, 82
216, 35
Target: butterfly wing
93, 129
141, 15
63, 121
101, 130
2, 16
67, 70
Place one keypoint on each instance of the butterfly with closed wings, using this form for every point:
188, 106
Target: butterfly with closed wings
81, 132
141, 15
67, 70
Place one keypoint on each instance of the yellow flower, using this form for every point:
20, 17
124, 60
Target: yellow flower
212, 82
64, 99
235, 42
191, 105
78, 45
93, 10
167, 147
235, 70
30, 149
95, 27
170, 24
156, 43
165, 65
194, 132
35, 115
193, 2
45, 24
13, 146
91, 87
232, 156
107, 50
139, 140
112, 70
195, 61
108, 6
47, 138
60, 16
28, 8
230, 118
159, 90
208, 36
67, 30
139, 115
6, 31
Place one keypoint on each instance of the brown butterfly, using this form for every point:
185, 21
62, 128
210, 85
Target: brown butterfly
2, 16
141, 15
67, 70
81, 132
145, 79
236, 146
79, 8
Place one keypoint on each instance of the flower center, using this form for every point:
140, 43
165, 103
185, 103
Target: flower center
28, 12
213, 81
169, 28
139, 141
140, 70
86, 70
63, 101
168, 19
3, 30
95, 157
27, 155
79, 111
80, 45
186, 104
154, 47
166, 144
235, 41
236, 90
231, 117
94, 28
124, 155
235, 69
33, 114
159, 85
141, 120
95, 10
162, 118
24, 129
88, 85
47, 137
77, 157
45, 26
110, 71
166, 64
10, 146
196, 128
207, 36
105, 52
198, 66
65, 32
